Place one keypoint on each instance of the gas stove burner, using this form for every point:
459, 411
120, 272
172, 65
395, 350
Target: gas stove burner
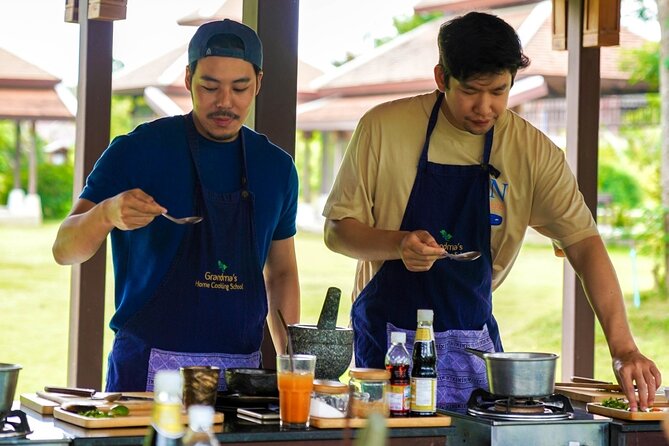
486, 405
524, 406
12, 429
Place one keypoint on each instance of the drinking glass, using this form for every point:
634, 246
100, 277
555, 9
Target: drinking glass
295, 379
200, 385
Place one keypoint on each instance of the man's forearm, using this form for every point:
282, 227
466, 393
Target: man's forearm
357, 240
80, 236
593, 266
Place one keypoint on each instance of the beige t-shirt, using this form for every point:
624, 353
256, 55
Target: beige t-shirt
536, 187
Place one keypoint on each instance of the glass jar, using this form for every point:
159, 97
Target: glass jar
329, 399
369, 389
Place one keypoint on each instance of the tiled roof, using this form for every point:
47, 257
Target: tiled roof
14, 70
410, 58
32, 103
165, 70
27, 91
343, 112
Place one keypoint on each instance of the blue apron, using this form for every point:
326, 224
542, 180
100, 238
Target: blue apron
452, 203
210, 308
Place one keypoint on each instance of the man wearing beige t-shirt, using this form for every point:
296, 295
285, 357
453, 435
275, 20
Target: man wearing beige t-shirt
454, 171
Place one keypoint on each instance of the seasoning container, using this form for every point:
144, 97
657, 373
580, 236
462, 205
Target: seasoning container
369, 388
329, 399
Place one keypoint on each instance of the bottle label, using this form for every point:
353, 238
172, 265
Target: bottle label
424, 394
423, 334
399, 398
167, 419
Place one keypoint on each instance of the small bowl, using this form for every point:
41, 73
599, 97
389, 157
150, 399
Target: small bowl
251, 382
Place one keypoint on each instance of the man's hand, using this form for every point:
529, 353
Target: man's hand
419, 250
132, 209
634, 368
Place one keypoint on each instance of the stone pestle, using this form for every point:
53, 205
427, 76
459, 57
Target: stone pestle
328, 318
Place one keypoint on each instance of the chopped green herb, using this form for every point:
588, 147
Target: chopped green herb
118, 410
616, 403
93, 413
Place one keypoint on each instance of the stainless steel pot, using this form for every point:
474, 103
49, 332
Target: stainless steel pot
9, 376
520, 375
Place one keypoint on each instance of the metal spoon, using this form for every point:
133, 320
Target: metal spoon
183, 220
463, 256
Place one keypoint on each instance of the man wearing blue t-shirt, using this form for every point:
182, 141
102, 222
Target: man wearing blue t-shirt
194, 294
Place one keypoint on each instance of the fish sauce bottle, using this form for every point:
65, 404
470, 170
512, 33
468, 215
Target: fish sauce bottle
397, 363
166, 428
424, 368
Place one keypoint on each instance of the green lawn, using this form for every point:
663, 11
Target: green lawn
34, 308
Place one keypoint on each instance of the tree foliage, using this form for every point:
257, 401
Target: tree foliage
643, 64
404, 24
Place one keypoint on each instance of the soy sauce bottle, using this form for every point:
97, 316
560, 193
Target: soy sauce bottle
424, 371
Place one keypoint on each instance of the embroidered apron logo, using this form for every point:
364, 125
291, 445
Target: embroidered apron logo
450, 247
222, 281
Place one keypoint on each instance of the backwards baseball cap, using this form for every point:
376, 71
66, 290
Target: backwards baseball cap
247, 45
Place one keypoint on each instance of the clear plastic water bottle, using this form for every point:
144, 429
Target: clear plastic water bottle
200, 426
166, 427
398, 363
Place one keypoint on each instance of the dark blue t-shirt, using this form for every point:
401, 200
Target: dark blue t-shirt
155, 158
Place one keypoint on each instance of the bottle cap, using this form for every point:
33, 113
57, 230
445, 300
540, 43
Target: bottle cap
168, 381
425, 315
200, 416
398, 337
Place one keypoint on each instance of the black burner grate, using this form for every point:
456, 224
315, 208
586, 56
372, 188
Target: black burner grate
484, 404
15, 429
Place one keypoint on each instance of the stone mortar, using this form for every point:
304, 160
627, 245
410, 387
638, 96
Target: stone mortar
332, 348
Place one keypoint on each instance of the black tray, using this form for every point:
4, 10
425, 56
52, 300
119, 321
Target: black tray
229, 402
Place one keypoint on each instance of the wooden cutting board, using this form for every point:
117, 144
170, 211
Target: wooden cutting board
588, 395
438, 420
140, 419
45, 402
661, 410
37, 403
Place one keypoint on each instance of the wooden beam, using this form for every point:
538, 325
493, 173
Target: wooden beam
583, 84
275, 114
92, 137
276, 106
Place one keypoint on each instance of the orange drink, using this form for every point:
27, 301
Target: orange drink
295, 396
295, 385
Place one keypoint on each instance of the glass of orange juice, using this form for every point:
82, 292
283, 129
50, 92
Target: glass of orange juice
295, 379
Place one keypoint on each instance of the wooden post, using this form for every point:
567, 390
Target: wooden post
92, 137
17, 156
32, 160
276, 22
583, 82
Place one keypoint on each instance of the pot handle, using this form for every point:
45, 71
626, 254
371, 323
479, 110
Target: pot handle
480, 353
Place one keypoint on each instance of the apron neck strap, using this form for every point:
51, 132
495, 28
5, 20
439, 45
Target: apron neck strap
487, 147
434, 116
